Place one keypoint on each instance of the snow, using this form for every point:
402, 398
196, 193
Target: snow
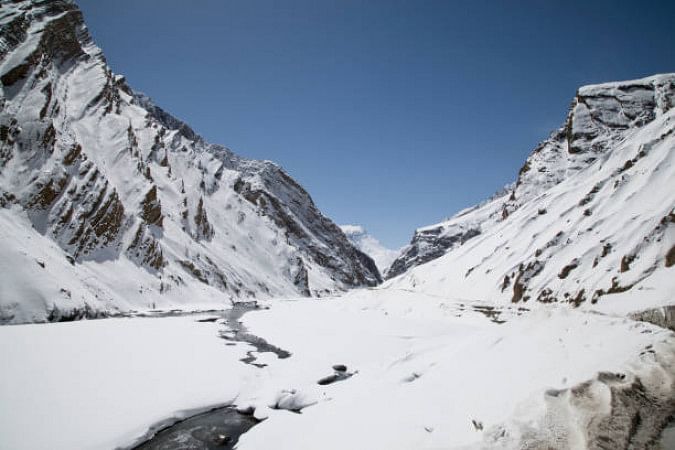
439, 357
424, 368
352, 229
369, 245
655, 291
272, 242
591, 89
35, 278
99, 384
627, 208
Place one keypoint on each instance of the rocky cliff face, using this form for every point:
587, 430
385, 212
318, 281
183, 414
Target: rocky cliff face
108, 202
592, 211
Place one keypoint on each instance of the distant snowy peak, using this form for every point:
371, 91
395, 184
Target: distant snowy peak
369, 245
122, 206
591, 214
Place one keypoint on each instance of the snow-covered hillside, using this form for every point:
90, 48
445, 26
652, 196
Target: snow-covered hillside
109, 203
591, 215
369, 245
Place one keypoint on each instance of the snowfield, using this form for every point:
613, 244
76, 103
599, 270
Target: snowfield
428, 372
102, 383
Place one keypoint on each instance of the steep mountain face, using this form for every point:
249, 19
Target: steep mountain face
592, 212
108, 203
369, 245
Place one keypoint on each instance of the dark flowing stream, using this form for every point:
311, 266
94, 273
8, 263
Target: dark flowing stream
237, 332
219, 428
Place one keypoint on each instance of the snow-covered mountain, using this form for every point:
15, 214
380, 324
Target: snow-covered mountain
592, 212
109, 203
369, 245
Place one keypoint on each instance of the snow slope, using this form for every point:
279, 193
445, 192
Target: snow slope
369, 245
591, 216
115, 204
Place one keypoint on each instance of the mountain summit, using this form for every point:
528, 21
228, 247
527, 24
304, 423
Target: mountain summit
369, 245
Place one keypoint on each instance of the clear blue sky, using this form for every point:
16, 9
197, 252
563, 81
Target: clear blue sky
393, 114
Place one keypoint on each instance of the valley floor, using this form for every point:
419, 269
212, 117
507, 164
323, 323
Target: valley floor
426, 373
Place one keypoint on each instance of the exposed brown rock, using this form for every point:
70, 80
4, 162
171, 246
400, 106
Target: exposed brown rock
567, 269
203, 228
525, 274
72, 154
626, 262
152, 208
193, 270
670, 257
146, 250
48, 192
47, 90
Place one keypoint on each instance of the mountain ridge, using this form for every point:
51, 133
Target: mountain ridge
620, 135
115, 180
371, 246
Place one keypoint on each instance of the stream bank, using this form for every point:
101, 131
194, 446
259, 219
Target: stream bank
219, 428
